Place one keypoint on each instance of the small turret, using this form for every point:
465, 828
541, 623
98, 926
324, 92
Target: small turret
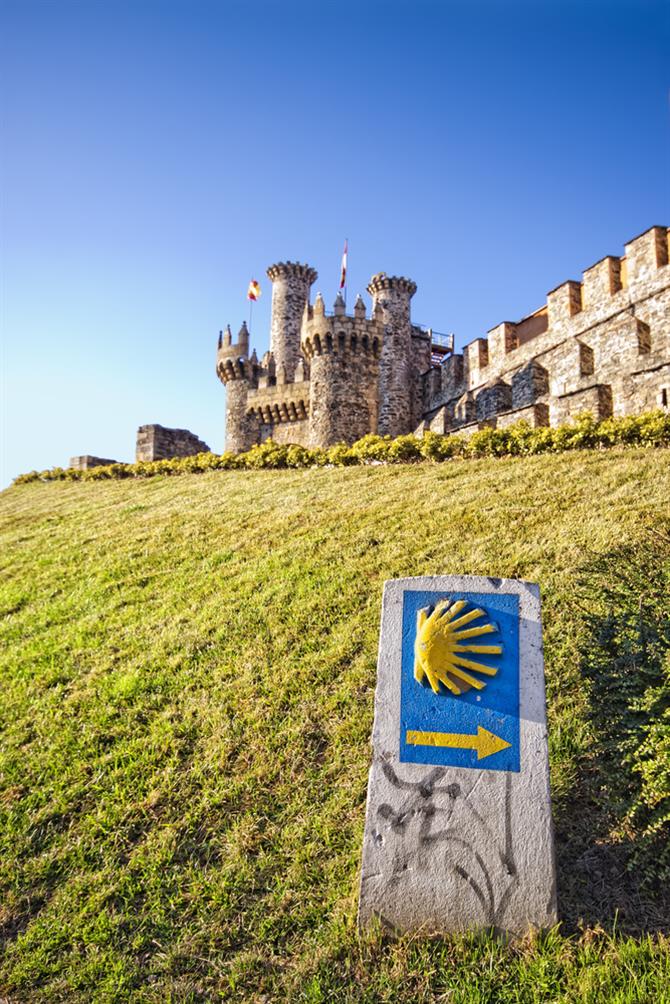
359, 308
243, 339
339, 306
238, 371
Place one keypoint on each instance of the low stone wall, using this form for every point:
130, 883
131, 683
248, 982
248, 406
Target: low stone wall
86, 462
155, 442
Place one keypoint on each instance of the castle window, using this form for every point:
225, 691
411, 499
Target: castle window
643, 338
664, 397
586, 364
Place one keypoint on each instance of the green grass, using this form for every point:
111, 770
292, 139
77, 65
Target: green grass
188, 671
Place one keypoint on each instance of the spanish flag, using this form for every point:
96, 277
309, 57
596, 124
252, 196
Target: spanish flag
254, 291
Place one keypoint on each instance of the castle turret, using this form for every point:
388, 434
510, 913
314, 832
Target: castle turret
291, 283
391, 297
238, 372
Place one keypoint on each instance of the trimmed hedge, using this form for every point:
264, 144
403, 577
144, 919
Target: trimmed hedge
651, 429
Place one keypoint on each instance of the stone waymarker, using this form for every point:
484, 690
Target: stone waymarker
458, 832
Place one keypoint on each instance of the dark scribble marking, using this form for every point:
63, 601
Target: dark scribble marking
426, 787
421, 805
461, 872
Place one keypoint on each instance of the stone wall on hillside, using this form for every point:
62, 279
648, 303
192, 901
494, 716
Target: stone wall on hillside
85, 462
155, 442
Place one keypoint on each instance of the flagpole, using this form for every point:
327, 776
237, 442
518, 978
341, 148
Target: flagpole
251, 307
346, 244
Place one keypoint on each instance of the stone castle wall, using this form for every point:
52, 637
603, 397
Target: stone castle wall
86, 462
602, 345
599, 345
155, 442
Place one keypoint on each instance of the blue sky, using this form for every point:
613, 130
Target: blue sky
160, 154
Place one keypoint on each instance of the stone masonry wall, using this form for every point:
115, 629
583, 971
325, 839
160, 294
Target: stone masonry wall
155, 442
344, 365
602, 345
291, 283
391, 305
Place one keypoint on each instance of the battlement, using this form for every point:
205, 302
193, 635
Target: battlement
292, 270
233, 361
340, 332
288, 402
381, 282
606, 287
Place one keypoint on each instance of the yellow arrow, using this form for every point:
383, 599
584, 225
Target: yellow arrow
484, 742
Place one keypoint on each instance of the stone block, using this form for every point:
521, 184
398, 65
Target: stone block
493, 399
646, 253
501, 340
458, 831
529, 383
564, 302
476, 358
601, 282
596, 399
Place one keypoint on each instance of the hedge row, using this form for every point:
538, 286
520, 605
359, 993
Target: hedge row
651, 429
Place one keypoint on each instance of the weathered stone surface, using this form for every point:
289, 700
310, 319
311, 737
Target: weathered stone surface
155, 442
86, 462
455, 847
611, 331
291, 283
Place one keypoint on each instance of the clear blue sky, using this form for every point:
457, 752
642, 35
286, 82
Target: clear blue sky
158, 155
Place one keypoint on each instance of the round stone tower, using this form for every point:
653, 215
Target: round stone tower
343, 353
391, 297
291, 282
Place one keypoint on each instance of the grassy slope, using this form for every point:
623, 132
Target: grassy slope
188, 678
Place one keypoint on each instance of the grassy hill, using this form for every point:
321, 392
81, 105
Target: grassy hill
188, 671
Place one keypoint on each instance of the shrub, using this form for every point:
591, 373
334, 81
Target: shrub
650, 429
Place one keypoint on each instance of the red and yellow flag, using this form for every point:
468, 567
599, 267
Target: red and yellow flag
254, 290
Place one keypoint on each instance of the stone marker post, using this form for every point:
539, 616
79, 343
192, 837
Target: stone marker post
458, 831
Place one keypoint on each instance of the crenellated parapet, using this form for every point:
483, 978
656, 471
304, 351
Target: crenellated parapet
610, 330
383, 283
233, 361
291, 271
287, 402
355, 335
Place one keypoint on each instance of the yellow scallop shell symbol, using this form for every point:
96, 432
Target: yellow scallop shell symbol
443, 646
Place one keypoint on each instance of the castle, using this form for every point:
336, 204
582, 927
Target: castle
600, 345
